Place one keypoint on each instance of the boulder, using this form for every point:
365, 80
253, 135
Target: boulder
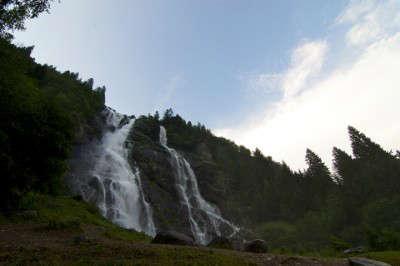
256, 246
221, 242
173, 238
354, 250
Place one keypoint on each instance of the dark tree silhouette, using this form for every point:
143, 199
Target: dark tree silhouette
13, 13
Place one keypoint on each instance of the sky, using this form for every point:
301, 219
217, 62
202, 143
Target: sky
282, 76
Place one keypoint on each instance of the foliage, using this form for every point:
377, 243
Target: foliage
67, 213
309, 210
13, 13
392, 257
112, 245
279, 234
40, 112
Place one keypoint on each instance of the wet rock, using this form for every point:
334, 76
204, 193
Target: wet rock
124, 121
366, 262
256, 246
221, 242
354, 250
173, 238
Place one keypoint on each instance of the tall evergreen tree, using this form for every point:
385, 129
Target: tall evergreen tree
362, 146
342, 163
379, 169
317, 181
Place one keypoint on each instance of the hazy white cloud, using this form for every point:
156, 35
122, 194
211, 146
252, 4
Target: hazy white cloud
370, 20
364, 93
306, 62
166, 93
263, 82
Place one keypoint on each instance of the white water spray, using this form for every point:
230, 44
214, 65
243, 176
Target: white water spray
197, 206
118, 185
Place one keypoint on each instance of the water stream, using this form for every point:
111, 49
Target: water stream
205, 219
119, 193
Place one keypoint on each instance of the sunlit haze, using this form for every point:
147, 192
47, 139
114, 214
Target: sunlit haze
282, 76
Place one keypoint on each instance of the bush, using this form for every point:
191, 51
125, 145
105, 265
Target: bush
385, 239
279, 235
339, 244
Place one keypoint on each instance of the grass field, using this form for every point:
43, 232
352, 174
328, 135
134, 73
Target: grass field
67, 231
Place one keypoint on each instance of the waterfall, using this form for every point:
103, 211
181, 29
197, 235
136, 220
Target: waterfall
205, 220
115, 185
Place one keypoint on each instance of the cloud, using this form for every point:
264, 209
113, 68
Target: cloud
371, 20
364, 93
306, 62
167, 92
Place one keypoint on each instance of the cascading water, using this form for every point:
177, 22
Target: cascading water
114, 185
205, 219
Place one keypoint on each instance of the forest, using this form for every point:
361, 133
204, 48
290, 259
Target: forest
45, 112
42, 114
354, 204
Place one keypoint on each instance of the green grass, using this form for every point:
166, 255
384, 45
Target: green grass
391, 257
131, 248
66, 214
117, 255
60, 213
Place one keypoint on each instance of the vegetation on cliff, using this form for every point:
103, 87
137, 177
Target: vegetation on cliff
42, 113
312, 209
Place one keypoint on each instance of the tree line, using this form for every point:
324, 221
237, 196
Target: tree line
42, 112
355, 204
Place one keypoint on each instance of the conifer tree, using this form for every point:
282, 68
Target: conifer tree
318, 181
362, 146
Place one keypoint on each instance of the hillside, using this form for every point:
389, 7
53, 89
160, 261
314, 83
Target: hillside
295, 211
75, 173
66, 231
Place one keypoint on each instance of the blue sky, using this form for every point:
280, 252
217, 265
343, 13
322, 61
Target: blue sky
185, 54
250, 70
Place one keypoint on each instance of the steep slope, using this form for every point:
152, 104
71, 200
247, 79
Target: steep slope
224, 172
101, 174
42, 114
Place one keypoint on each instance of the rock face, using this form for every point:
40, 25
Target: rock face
158, 179
158, 183
354, 250
173, 238
101, 173
256, 246
161, 176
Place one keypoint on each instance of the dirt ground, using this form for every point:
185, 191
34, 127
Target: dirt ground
32, 244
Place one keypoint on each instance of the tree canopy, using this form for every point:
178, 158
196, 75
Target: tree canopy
13, 13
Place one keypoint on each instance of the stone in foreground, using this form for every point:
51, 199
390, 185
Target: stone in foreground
173, 238
256, 246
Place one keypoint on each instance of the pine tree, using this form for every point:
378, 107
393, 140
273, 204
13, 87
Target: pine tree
342, 163
379, 169
362, 146
317, 181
